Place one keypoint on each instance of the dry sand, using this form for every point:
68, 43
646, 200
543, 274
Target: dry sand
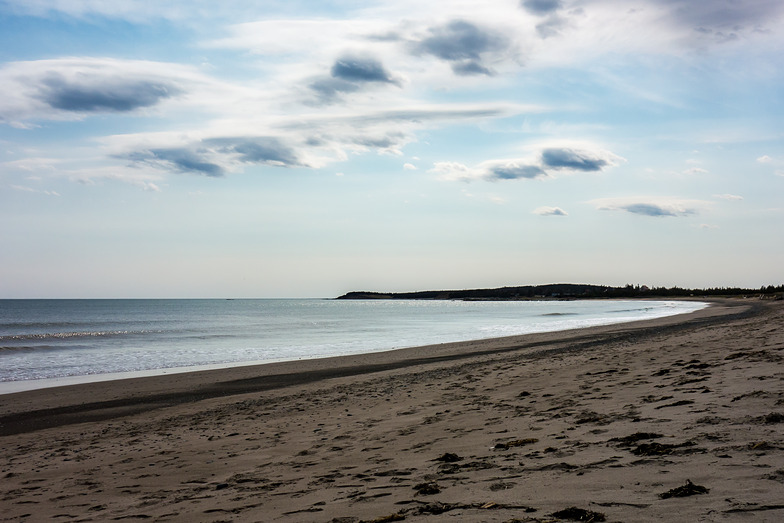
604, 420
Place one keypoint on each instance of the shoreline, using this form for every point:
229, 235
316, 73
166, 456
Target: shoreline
24, 385
605, 420
18, 386
65, 404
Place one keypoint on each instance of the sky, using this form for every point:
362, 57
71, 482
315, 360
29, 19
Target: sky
295, 148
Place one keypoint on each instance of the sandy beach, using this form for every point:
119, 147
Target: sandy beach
675, 419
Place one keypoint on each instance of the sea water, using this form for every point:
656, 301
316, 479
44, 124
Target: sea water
42, 340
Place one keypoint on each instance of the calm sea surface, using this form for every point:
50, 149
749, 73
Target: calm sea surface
45, 339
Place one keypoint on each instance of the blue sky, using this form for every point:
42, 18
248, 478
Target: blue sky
305, 149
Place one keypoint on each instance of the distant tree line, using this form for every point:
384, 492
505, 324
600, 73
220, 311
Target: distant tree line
565, 291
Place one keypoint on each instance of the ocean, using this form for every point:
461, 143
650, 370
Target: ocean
50, 342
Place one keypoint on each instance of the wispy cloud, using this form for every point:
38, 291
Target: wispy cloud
576, 159
651, 206
553, 22
311, 140
180, 160
216, 156
349, 74
728, 197
541, 7
544, 163
469, 48
361, 69
260, 149
73, 88
114, 95
25, 188
723, 20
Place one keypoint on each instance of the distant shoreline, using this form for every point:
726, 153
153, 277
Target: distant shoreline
566, 291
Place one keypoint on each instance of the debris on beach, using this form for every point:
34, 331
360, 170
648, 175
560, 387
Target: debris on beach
448, 457
554, 466
515, 443
689, 489
634, 438
436, 508
384, 519
773, 417
427, 489
579, 514
495, 487
454, 468
659, 449
777, 475
760, 445
675, 404
589, 416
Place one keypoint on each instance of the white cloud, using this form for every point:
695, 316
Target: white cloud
311, 39
764, 159
695, 170
409, 167
550, 211
728, 196
145, 179
454, 171
33, 164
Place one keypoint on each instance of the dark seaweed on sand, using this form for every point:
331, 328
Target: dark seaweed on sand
689, 489
658, 449
427, 489
579, 514
448, 457
634, 438
773, 417
384, 519
515, 443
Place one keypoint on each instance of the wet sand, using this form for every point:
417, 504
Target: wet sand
675, 419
